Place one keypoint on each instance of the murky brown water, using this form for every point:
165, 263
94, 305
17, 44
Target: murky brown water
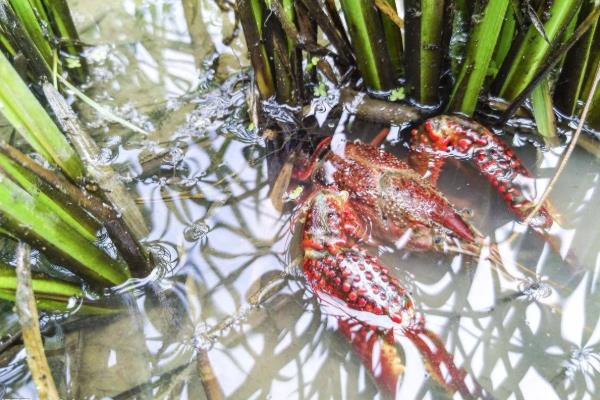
201, 178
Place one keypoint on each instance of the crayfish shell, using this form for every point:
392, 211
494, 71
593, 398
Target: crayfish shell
361, 282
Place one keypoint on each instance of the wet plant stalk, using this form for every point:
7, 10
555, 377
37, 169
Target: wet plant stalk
64, 28
531, 49
129, 248
553, 60
480, 48
251, 17
331, 29
29, 18
424, 23
368, 39
43, 229
543, 110
103, 175
50, 293
25, 113
577, 66
212, 388
393, 36
29, 320
504, 42
63, 208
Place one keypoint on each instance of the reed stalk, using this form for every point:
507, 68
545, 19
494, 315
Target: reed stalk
251, 14
543, 110
69, 213
30, 19
487, 19
577, 66
39, 226
504, 42
424, 24
68, 38
368, 38
530, 49
30, 328
22, 47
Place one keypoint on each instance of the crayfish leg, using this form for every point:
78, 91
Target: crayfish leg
438, 359
370, 345
452, 136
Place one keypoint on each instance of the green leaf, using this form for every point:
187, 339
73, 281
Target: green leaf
480, 48
543, 110
25, 113
33, 221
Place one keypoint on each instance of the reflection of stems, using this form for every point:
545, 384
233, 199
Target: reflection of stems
211, 385
28, 318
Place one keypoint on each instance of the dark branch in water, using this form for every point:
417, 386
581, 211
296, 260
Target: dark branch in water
381, 111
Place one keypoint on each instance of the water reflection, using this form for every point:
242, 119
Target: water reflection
529, 331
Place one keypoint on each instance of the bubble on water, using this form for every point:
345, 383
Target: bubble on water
173, 157
165, 256
188, 183
105, 155
196, 231
534, 289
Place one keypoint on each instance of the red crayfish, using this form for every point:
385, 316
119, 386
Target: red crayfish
360, 194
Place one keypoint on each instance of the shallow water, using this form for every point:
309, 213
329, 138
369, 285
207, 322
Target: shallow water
531, 331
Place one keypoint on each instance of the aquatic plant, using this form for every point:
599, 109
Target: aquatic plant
456, 57
46, 201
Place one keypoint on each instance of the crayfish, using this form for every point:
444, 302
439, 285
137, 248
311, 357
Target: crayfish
360, 195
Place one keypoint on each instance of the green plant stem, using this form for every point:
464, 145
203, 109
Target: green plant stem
393, 41
51, 294
575, 68
251, 17
330, 29
461, 17
480, 48
554, 59
21, 42
367, 35
64, 29
424, 24
30, 20
72, 215
531, 50
40, 227
543, 110
504, 42
129, 248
